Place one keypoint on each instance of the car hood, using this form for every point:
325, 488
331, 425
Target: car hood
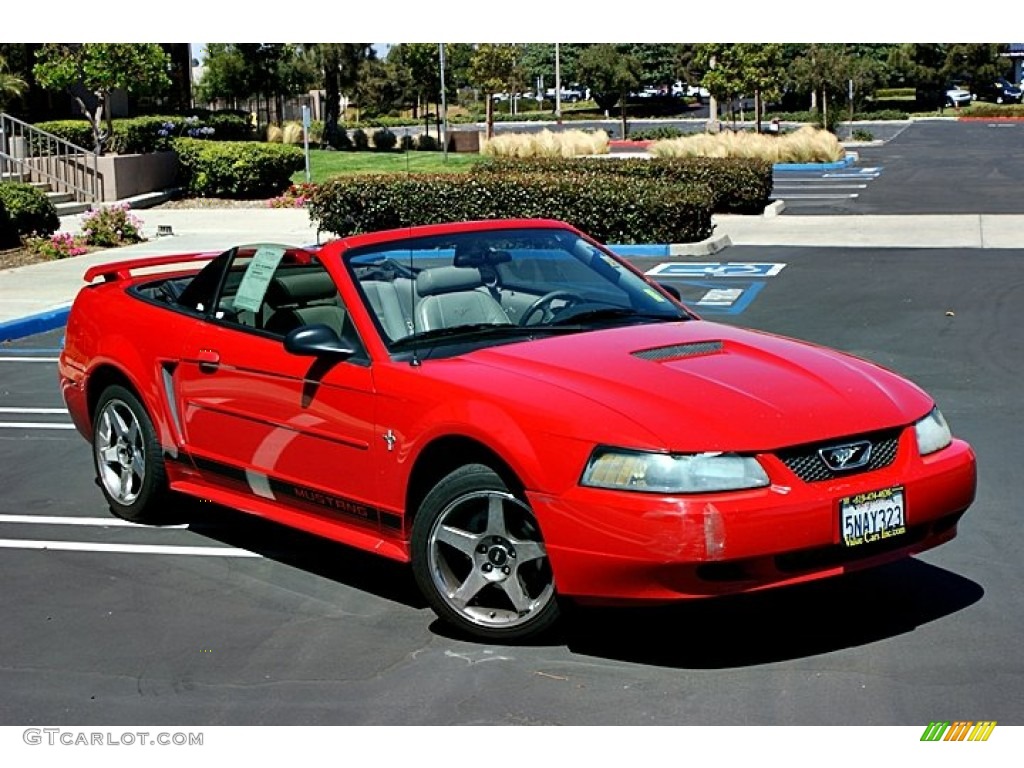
700, 386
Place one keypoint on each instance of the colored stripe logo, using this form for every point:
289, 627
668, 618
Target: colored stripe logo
959, 730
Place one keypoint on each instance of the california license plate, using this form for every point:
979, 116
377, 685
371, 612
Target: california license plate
872, 516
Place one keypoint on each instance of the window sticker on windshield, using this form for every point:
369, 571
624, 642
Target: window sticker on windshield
257, 277
654, 294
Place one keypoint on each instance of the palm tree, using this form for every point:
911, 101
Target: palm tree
11, 86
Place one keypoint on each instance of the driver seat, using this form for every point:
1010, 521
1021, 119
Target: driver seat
453, 296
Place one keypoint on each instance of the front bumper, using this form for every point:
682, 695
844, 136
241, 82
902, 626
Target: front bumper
614, 546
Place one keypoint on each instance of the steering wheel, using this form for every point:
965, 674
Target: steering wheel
543, 304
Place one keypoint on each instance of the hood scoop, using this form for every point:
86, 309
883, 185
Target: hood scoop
680, 351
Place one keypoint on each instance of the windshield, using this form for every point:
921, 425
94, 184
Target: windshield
500, 285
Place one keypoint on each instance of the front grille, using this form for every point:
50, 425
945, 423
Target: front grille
807, 464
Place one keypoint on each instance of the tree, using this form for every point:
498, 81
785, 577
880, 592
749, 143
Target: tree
100, 68
224, 75
742, 69
826, 70
340, 65
11, 86
494, 67
611, 74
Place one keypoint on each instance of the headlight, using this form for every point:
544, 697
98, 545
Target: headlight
672, 473
932, 433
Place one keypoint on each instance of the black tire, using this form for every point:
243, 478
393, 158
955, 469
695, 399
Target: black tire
479, 558
128, 458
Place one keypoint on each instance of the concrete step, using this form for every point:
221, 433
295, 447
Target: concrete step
60, 197
12, 176
71, 208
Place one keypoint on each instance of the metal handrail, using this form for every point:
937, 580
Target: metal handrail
30, 154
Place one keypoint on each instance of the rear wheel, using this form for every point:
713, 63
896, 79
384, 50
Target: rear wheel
480, 560
127, 456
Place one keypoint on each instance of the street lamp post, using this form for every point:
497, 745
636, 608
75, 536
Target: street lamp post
444, 106
558, 88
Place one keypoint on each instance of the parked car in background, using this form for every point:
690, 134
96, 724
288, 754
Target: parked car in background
1000, 90
958, 96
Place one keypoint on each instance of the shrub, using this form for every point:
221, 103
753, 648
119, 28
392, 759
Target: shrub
384, 140
8, 232
407, 144
630, 211
657, 134
150, 133
360, 141
62, 245
29, 211
275, 135
77, 132
296, 196
860, 134
427, 143
242, 169
733, 185
111, 226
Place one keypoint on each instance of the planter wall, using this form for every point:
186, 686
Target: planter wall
124, 176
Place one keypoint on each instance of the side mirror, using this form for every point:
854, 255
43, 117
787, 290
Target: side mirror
317, 340
671, 290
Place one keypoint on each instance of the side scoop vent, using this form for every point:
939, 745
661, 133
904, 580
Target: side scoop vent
680, 351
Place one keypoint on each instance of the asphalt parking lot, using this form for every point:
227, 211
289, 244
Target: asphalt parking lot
232, 621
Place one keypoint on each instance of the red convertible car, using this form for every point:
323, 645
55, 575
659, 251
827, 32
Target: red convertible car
510, 408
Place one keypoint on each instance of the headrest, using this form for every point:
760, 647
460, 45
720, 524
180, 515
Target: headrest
431, 282
300, 288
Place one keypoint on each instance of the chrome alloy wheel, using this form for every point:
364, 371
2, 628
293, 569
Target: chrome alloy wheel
120, 452
487, 560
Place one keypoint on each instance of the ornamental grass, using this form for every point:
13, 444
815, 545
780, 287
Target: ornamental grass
571, 143
805, 145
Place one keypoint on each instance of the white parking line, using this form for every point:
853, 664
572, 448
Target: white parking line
5, 359
141, 549
33, 425
32, 410
821, 186
99, 521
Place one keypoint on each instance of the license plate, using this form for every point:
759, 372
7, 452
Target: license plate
872, 516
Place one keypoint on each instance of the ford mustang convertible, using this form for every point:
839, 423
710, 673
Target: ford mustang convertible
510, 408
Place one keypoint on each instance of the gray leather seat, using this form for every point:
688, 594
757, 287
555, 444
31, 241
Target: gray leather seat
454, 296
386, 302
303, 298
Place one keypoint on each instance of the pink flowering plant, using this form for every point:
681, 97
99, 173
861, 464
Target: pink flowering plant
111, 226
296, 196
61, 245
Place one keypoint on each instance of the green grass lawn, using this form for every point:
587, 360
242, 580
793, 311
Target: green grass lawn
324, 164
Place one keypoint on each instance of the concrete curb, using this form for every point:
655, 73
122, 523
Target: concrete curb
33, 324
850, 159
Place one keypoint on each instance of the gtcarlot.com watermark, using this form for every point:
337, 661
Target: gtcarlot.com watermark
57, 737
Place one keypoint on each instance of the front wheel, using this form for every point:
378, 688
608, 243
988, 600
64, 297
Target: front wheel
479, 558
127, 457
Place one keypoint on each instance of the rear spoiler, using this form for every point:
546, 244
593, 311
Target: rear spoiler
121, 270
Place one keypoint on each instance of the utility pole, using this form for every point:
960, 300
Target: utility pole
558, 88
444, 106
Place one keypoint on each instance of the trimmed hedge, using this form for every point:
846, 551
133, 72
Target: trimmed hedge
733, 185
632, 210
245, 170
138, 135
26, 211
8, 234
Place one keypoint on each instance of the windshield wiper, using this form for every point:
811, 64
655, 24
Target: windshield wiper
462, 332
611, 313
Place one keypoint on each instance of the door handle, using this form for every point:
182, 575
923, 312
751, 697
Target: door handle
208, 359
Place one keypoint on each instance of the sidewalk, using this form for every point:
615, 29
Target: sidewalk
36, 297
